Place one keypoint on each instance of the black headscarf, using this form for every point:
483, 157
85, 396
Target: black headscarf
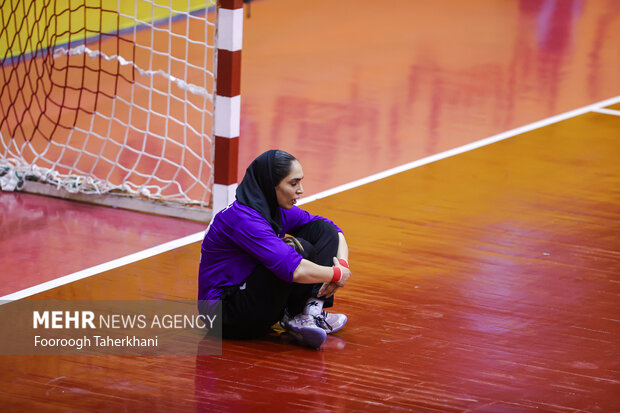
258, 190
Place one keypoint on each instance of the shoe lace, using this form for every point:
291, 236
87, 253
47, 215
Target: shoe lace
321, 320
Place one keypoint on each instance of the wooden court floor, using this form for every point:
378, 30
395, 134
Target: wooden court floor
487, 281
352, 89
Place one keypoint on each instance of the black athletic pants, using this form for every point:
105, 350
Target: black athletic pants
249, 310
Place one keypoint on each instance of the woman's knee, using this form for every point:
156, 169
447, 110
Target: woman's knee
318, 230
328, 230
307, 250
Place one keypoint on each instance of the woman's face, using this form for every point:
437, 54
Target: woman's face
289, 189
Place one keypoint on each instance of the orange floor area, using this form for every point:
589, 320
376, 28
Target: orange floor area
357, 87
486, 282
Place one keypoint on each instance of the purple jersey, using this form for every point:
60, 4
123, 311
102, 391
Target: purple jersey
238, 239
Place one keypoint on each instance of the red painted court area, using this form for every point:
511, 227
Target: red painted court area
483, 282
46, 238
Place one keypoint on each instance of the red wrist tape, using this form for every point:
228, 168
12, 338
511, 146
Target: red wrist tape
343, 262
337, 274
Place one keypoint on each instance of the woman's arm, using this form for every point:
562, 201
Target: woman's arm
328, 289
343, 248
308, 272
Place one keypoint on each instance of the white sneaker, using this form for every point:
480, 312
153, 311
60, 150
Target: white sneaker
331, 322
305, 328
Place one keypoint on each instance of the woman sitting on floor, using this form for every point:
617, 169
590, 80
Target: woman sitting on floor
260, 275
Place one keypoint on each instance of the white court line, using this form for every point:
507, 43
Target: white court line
596, 107
607, 111
88, 272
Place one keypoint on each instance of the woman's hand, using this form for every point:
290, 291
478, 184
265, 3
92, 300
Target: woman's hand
308, 272
346, 273
329, 289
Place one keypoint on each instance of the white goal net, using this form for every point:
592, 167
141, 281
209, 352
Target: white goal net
108, 97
